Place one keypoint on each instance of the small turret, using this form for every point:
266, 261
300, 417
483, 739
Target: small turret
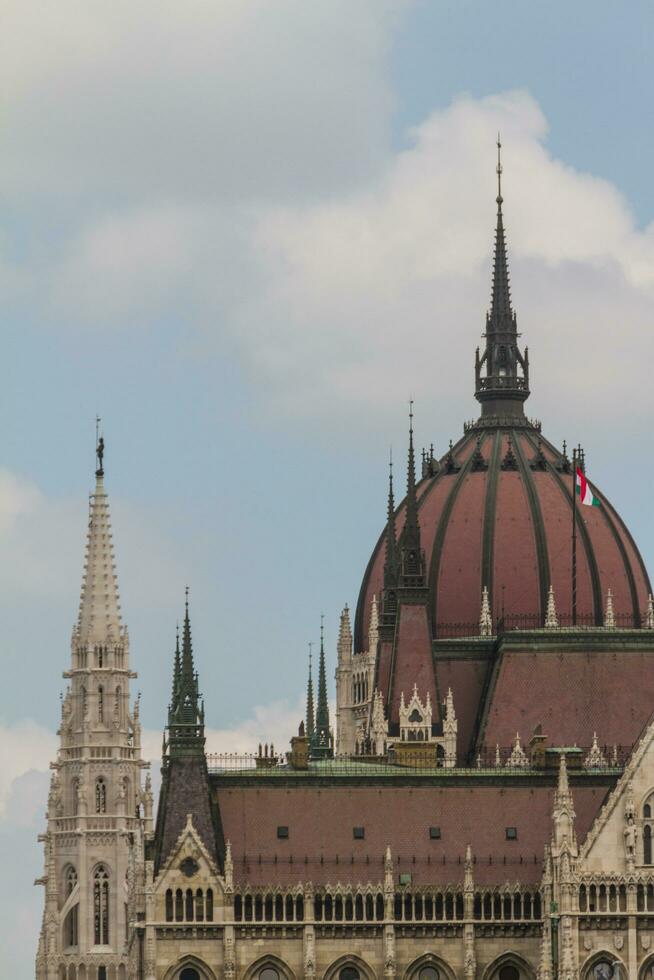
186, 712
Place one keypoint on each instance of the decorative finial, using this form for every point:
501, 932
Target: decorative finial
186, 592
499, 170
99, 447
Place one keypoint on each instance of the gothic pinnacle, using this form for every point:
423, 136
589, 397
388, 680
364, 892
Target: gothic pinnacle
310, 716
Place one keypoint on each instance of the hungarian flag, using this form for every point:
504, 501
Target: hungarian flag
585, 493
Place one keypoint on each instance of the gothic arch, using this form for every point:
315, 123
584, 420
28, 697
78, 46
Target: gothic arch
429, 959
268, 960
603, 954
646, 968
173, 972
508, 958
331, 973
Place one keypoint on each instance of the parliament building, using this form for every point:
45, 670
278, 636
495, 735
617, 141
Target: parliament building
481, 806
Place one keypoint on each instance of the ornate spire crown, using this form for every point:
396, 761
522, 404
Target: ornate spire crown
502, 371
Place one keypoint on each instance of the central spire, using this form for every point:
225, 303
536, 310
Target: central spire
502, 371
186, 712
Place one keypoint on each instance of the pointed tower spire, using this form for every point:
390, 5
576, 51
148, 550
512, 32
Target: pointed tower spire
504, 384
345, 637
391, 570
321, 747
186, 713
99, 622
177, 667
311, 718
411, 557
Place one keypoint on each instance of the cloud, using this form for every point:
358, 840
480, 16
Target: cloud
26, 750
351, 304
212, 97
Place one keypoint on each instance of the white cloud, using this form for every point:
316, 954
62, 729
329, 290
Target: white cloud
25, 748
210, 97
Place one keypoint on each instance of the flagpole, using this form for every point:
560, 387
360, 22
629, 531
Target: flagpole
574, 537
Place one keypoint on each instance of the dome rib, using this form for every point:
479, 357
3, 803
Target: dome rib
544, 571
582, 530
490, 506
623, 552
443, 526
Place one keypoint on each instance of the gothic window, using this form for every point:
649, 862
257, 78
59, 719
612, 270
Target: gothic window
189, 905
189, 973
604, 970
647, 811
209, 906
647, 844
179, 905
508, 972
269, 973
117, 704
102, 973
99, 657
83, 702
100, 705
349, 973
415, 716
199, 905
429, 973
101, 907
74, 791
70, 926
71, 880
100, 795
169, 905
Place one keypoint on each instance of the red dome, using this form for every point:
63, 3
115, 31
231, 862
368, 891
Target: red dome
498, 514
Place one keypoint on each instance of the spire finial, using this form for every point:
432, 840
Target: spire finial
310, 712
412, 565
99, 448
498, 170
322, 746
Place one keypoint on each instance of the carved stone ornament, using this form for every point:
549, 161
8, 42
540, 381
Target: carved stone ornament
618, 940
645, 940
588, 943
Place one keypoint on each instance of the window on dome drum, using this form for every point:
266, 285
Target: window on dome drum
508, 972
349, 973
189, 973
511, 834
282, 833
434, 833
101, 906
358, 833
429, 973
269, 973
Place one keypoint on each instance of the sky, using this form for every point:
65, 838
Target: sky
245, 234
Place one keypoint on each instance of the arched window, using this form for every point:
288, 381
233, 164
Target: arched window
102, 973
189, 905
179, 905
208, 908
349, 973
269, 973
101, 704
189, 973
74, 793
70, 926
100, 795
169, 905
647, 844
429, 973
508, 972
199, 905
117, 702
101, 906
604, 969
71, 880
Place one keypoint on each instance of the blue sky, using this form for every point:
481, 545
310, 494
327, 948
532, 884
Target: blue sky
246, 235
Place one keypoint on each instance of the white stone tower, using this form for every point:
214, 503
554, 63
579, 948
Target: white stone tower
97, 808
